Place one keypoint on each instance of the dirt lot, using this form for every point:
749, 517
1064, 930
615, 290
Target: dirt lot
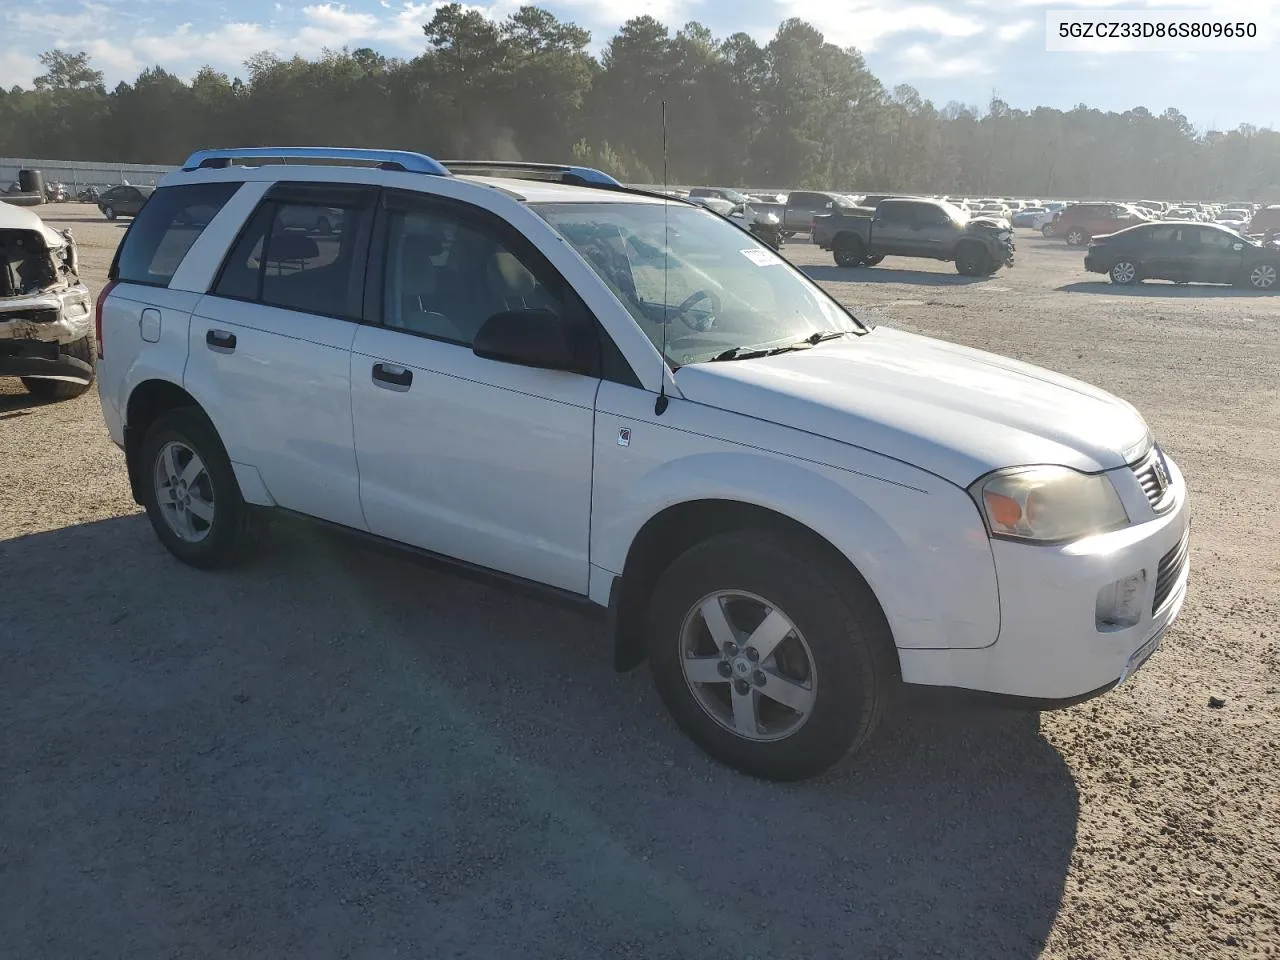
338, 753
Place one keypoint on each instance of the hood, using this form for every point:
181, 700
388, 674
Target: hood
953, 411
20, 218
988, 221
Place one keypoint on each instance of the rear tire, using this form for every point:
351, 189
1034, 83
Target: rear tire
232, 529
1124, 273
1076, 237
849, 251
873, 260
109, 212
86, 349
1046, 231
836, 658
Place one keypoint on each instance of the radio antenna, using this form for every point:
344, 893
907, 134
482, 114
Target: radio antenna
660, 405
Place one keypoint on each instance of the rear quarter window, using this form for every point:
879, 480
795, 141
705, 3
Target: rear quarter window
164, 230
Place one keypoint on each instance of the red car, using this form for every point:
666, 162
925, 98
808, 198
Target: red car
1082, 221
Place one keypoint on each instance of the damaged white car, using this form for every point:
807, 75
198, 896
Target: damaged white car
46, 315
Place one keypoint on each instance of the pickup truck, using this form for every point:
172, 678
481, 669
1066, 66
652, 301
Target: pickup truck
934, 229
803, 207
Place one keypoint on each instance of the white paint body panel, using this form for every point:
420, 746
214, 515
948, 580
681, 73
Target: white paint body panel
483, 461
953, 411
127, 360
1049, 647
917, 540
281, 402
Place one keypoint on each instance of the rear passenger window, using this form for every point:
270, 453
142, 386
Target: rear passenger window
164, 230
894, 212
299, 256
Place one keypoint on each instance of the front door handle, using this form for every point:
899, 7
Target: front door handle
392, 377
223, 340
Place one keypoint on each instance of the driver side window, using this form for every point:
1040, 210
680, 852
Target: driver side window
446, 274
928, 216
1215, 240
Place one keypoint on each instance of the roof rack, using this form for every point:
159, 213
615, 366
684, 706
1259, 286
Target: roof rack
403, 160
517, 170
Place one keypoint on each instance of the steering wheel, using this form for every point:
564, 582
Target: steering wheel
697, 297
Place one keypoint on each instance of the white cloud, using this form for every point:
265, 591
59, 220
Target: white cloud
18, 69
182, 49
865, 23
1012, 31
614, 13
921, 62
227, 46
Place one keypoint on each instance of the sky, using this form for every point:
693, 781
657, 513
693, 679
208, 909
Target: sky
963, 50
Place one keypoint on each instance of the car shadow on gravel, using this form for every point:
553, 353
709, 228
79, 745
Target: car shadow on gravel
338, 752
18, 403
834, 274
1187, 291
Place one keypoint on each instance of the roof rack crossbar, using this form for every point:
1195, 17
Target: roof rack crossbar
555, 172
403, 160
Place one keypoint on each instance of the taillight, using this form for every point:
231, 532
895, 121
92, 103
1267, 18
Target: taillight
97, 313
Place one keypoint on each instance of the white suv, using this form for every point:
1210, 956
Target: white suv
628, 401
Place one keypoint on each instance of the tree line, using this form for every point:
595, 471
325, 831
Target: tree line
795, 112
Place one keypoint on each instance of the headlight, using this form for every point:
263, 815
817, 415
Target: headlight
1048, 504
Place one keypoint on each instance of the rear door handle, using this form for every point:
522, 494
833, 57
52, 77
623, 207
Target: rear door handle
389, 376
223, 340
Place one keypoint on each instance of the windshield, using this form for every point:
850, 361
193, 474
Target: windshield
716, 286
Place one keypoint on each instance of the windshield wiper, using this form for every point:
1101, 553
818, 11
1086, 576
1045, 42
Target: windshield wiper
746, 353
816, 338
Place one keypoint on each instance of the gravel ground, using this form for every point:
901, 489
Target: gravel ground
337, 753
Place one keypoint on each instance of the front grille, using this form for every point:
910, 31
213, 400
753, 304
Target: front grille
1170, 569
1153, 477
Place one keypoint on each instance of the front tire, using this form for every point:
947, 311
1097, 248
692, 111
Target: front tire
973, 260
1124, 272
849, 251
873, 260
1046, 231
191, 495
1262, 276
771, 658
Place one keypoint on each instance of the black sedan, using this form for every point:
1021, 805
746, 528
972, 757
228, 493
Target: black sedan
123, 201
1184, 252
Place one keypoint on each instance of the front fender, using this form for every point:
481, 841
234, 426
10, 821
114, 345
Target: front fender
922, 550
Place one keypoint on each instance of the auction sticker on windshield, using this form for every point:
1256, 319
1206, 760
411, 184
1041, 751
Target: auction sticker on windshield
760, 257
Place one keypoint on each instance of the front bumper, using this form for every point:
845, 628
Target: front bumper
35, 358
1050, 646
60, 316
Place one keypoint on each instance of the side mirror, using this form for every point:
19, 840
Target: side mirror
530, 338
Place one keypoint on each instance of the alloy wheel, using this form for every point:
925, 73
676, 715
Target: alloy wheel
1263, 276
184, 491
1124, 272
748, 666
